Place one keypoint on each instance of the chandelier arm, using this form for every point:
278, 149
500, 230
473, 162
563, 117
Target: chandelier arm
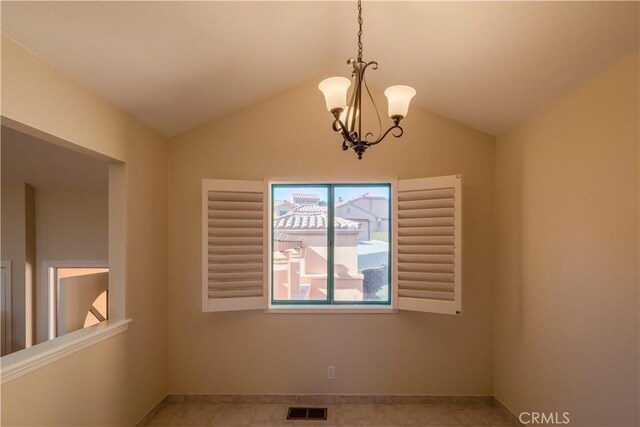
351, 108
358, 68
366, 86
359, 98
395, 135
339, 126
372, 64
335, 126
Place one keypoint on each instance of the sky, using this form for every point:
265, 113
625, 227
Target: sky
347, 193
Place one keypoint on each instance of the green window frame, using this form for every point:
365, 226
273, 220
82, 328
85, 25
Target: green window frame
330, 301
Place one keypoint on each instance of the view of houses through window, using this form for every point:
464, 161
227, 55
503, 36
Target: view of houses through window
317, 260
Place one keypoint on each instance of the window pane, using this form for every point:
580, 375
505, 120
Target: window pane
300, 241
361, 255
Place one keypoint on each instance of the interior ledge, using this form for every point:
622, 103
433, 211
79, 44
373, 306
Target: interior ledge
15, 365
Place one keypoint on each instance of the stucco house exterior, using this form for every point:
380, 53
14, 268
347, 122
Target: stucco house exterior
370, 211
282, 207
300, 256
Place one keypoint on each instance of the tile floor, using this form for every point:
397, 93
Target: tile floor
339, 414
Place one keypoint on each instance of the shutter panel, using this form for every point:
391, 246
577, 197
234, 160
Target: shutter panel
429, 244
233, 245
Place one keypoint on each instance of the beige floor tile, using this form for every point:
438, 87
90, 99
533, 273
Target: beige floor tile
234, 414
295, 423
184, 414
342, 414
165, 415
442, 415
270, 414
360, 414
404, 414
482, 416
194, 414
275, 415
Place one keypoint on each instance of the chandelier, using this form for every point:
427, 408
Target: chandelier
347, 116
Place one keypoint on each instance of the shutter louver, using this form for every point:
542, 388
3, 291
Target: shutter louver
233, 245
429, 244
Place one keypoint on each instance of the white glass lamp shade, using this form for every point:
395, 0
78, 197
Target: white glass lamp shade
399, 98
335, 90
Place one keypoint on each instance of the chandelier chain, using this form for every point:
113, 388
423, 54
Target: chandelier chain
360, 31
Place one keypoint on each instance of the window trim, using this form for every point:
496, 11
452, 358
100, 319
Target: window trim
50, 282
315, 306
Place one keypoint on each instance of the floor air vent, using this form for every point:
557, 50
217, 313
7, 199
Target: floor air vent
307, 414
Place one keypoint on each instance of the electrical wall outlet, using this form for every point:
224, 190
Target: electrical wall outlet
331, 372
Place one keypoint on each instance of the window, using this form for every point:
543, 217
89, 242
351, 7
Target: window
341, 246
333, 246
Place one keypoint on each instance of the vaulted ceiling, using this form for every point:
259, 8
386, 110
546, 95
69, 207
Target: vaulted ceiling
176, 65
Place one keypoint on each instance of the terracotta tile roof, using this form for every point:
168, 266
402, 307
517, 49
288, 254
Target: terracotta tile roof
309, 209
372, 196
300, 221
283, 237
305, 196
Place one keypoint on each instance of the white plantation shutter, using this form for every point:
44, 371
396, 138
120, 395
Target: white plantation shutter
429, 244
233, 245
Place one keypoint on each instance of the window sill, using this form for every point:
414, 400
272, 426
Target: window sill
15, 365
338, 309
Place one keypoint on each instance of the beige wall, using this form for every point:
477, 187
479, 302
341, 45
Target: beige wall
289, 135
72, 225
18, 247
127, 371
566, 323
